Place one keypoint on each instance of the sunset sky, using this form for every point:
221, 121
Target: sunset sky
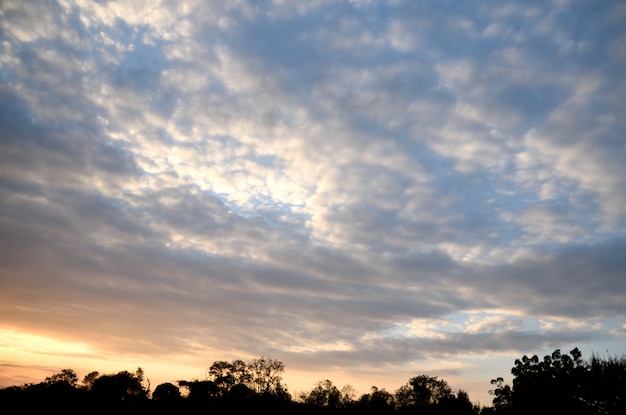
366, 191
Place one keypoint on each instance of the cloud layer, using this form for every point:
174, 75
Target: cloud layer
355, 185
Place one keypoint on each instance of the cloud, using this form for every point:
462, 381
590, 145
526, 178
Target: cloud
578, 281
352, 185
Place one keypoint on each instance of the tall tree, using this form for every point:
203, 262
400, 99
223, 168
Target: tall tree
267, 375
241, 372
222, 374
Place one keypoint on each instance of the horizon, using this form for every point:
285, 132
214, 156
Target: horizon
358, 189
152, 382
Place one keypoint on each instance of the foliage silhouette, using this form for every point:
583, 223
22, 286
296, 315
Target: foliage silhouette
378, 401
67, 376
325, 394
563, 383
558, 383
199, 390
120, 391
429, 395
166, 392
89, 379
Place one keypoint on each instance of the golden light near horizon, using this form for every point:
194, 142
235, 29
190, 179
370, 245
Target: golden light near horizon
13, 341
34, 357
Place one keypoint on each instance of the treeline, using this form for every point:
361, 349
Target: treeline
558, 383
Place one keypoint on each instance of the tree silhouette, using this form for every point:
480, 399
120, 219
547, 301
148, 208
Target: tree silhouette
558, 383
563, 383
199, 390
122, 389
67, 376
166, 392
89, 379
502, 395
423, 393
222, 374
325, 394
378, 401
605, 389
267, 375
458, 404
348, 393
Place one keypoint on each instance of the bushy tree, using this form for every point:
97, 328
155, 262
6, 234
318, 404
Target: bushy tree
199, 390
325, 394
221, 372
122, 388
166, 392
563, 383
458, 404
67, 376
429, 395
378, 401
423, 392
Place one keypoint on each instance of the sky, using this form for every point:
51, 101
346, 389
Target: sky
366, 191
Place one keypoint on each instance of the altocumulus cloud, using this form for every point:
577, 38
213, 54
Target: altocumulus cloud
360, 185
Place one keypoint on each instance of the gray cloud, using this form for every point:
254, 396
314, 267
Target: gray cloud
579, 281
